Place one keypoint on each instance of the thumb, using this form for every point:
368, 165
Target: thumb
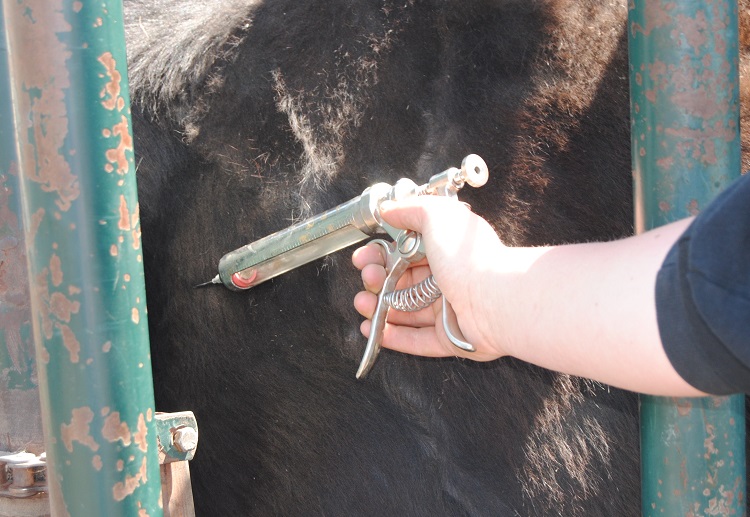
413, 213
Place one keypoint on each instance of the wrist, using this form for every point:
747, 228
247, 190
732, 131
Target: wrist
508, 295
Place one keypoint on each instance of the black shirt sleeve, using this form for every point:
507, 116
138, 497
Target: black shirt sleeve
703, 296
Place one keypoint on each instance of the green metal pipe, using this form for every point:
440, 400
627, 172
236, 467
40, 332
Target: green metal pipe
69, 87
20, 416
685, 149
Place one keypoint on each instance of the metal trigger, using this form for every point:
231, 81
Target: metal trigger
407, 248
395, 265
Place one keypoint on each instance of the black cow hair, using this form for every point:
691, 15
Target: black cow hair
250, 115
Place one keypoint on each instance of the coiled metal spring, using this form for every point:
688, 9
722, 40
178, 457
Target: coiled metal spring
414, 298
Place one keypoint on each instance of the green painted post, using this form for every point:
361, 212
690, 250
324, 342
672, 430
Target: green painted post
20, 416
70, 95
685, 149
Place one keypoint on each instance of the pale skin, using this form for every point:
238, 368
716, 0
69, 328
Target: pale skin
582, 309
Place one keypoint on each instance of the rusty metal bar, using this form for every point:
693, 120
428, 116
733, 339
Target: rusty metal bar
20, 420
686, 148
71, 104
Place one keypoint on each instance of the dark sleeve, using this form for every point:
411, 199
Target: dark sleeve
703, 296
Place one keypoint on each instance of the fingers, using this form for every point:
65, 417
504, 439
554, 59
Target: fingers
373, 277
410, 340
365, 302
370, 254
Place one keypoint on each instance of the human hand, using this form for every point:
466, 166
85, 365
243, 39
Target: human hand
461, 250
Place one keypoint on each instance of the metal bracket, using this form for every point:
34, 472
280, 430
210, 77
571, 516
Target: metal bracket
177, 436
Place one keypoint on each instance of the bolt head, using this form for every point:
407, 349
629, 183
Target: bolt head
185, 439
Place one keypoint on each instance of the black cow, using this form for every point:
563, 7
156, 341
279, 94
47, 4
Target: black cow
250, 115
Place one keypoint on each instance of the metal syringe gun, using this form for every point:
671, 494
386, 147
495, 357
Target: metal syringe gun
351, 222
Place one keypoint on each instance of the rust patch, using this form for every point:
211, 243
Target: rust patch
657, 16
36, 221
694, 29
114, 429
61, 307
124, 223
136, 226
113, 250
15, 312
140, 435
96, 462
55, 267
698, 143
124, 488
70, 342
106, 347
111, 91
117, 155
55, 312
708, 442
692, 207
43, 131
135, 316
77, 6
78, 429
684, 406
665, 163
120, 465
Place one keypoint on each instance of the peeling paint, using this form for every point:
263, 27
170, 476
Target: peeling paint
47, 123
15, 313
709, 441
140, 435
657, 15
124, 222
79, 429
125, 488
70, 342
62, 307
114, 429
36, 220
111, 91
118, 154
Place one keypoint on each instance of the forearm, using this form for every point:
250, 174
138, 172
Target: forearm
587, 310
